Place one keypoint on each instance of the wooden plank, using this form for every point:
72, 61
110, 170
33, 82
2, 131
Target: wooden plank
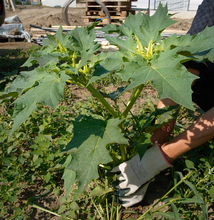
97, 17
89, 20
70, 27
174, 31
110, 6
124, 13
13, 4
105, 45
97, 12
110, 1
100, 25
102, 14
65, 27
37, 30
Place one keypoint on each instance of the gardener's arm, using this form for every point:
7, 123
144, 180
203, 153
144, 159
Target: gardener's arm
198, 133
134, 175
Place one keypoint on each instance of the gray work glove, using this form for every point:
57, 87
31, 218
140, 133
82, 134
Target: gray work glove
133, 174
138, 196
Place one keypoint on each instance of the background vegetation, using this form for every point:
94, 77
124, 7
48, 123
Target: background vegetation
31, 157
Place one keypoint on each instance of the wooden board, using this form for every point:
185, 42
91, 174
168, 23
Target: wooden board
174, 31
112, 17
109, 1
70, 27
116, 9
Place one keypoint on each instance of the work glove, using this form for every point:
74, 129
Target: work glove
136, 173
138, 196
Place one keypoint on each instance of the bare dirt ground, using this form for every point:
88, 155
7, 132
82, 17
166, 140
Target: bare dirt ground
47, 17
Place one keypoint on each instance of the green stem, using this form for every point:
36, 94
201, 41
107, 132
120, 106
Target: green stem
97, 209
123, 152
112, 208
142, 216
132, 100
76, 83
102, 100
96, 93
46, 210
171, 201
118, 209
107, 213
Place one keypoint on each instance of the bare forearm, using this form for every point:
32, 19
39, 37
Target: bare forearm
198, 133
161, 134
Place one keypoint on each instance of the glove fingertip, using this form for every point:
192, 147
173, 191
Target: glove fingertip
122, 192
113, 171
121, 202
125, 203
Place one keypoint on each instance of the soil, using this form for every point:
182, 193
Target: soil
47, 17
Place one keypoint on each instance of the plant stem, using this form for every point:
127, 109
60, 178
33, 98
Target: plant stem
102, 100
97, 209
43, 209
132, 100
112, 208
142, 216
123, 152
173, 200
118, 209
107, 213
96, 93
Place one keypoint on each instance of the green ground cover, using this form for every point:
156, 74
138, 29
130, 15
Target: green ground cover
47, 131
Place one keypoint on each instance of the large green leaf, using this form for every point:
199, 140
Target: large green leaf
91, 136
201, 43
110, 28
142, 143
143, 26
27, 79
69, 179
116, 94
85, 39
152, 26
48, 92
149, 27
111, 62
127, 47
159, 118
167, 75
43, 57
134, 22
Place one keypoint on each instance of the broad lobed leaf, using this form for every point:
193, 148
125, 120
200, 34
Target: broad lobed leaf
88, 147
167, 75
48, 92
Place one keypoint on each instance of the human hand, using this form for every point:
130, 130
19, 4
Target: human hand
133, 174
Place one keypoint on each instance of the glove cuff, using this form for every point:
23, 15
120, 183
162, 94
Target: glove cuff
163, 155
